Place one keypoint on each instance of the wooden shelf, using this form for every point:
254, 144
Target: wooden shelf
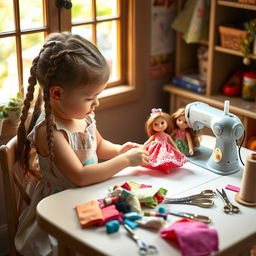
221, 63
237, 104
237, 5
233, 52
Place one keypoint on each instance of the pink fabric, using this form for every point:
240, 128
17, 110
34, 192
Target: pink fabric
233, 188
163, 155
110, 213
194, 238
180, 134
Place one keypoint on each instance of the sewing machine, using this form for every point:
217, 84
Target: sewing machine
227, 128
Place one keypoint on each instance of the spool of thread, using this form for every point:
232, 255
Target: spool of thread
156, 214
247, 193
110, 200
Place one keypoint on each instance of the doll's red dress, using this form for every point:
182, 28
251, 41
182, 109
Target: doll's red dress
163, 155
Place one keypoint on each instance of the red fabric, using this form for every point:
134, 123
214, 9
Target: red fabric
163, 155
126, 186
159, 198
145, 186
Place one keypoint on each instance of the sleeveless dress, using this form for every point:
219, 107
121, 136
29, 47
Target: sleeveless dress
163, 155
30, 239
180, 139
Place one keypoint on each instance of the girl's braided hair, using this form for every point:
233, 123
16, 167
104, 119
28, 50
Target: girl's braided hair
66, 60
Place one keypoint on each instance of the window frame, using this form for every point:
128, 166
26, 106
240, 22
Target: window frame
134, 87
131, 64
59, 19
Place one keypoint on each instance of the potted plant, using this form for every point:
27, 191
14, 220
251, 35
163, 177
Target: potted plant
3, 115
247, 41
13, 108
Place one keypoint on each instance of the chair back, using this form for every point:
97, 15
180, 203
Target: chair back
15, 194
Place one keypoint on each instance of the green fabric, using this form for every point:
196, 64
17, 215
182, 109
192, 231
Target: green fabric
182, 145
146, 195
193, 21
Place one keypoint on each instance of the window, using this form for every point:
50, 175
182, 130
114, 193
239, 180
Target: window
104, 22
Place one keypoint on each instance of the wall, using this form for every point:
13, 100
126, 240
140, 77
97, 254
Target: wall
125, 122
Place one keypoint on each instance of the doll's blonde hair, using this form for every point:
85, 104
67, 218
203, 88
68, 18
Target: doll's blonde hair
193, 134
69, 61
149, 123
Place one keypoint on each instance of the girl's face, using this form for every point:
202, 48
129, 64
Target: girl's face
181, 122
79, 102
159, 124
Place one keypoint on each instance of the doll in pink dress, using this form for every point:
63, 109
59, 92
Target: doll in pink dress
163, 152
184, 137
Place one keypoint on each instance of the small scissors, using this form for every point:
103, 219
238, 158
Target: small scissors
144, 249
198, 199
228, 207
191, 216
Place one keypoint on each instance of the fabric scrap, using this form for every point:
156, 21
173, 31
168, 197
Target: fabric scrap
233, 188
89, 213
110, 213
194, 238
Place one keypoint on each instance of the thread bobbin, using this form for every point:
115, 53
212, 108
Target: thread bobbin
247, 194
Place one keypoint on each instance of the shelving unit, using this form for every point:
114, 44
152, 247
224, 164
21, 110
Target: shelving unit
221, 62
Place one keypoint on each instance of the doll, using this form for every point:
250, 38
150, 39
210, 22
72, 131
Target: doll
164, 154
184, 137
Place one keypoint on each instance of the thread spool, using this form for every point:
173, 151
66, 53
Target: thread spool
247, 193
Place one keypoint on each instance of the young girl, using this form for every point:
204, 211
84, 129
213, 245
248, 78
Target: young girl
71, 73
184, 137
163, 151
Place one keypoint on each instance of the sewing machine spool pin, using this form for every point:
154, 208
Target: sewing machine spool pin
227, 128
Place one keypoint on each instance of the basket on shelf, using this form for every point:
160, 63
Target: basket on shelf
247, 1
231, 37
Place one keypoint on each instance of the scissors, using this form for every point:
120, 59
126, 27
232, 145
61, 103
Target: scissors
191, 216
228, 207
144, 249
200, 199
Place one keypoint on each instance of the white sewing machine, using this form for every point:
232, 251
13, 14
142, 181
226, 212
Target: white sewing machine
227, 128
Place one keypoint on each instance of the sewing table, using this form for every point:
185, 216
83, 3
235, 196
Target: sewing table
237, 232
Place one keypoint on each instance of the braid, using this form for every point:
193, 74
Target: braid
55, 60
27, 150
22, 132
49, 126
67, 61
53, 65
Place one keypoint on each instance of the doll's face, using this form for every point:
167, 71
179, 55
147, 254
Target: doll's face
159, 125
181, 122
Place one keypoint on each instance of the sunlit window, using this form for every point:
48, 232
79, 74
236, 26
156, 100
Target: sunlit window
25, 23
22, 31
99, 21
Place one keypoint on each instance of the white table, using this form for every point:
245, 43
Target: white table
57, 216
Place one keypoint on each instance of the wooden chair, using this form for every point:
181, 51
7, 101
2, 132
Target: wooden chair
15, 194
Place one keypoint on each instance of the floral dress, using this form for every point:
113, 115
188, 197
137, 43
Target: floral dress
163, 155
180, 139
30, 239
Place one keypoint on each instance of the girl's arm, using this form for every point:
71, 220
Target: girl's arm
190, 144
107, 149
68, 163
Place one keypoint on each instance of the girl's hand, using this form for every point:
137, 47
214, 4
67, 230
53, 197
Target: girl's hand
137, 156
127, 146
